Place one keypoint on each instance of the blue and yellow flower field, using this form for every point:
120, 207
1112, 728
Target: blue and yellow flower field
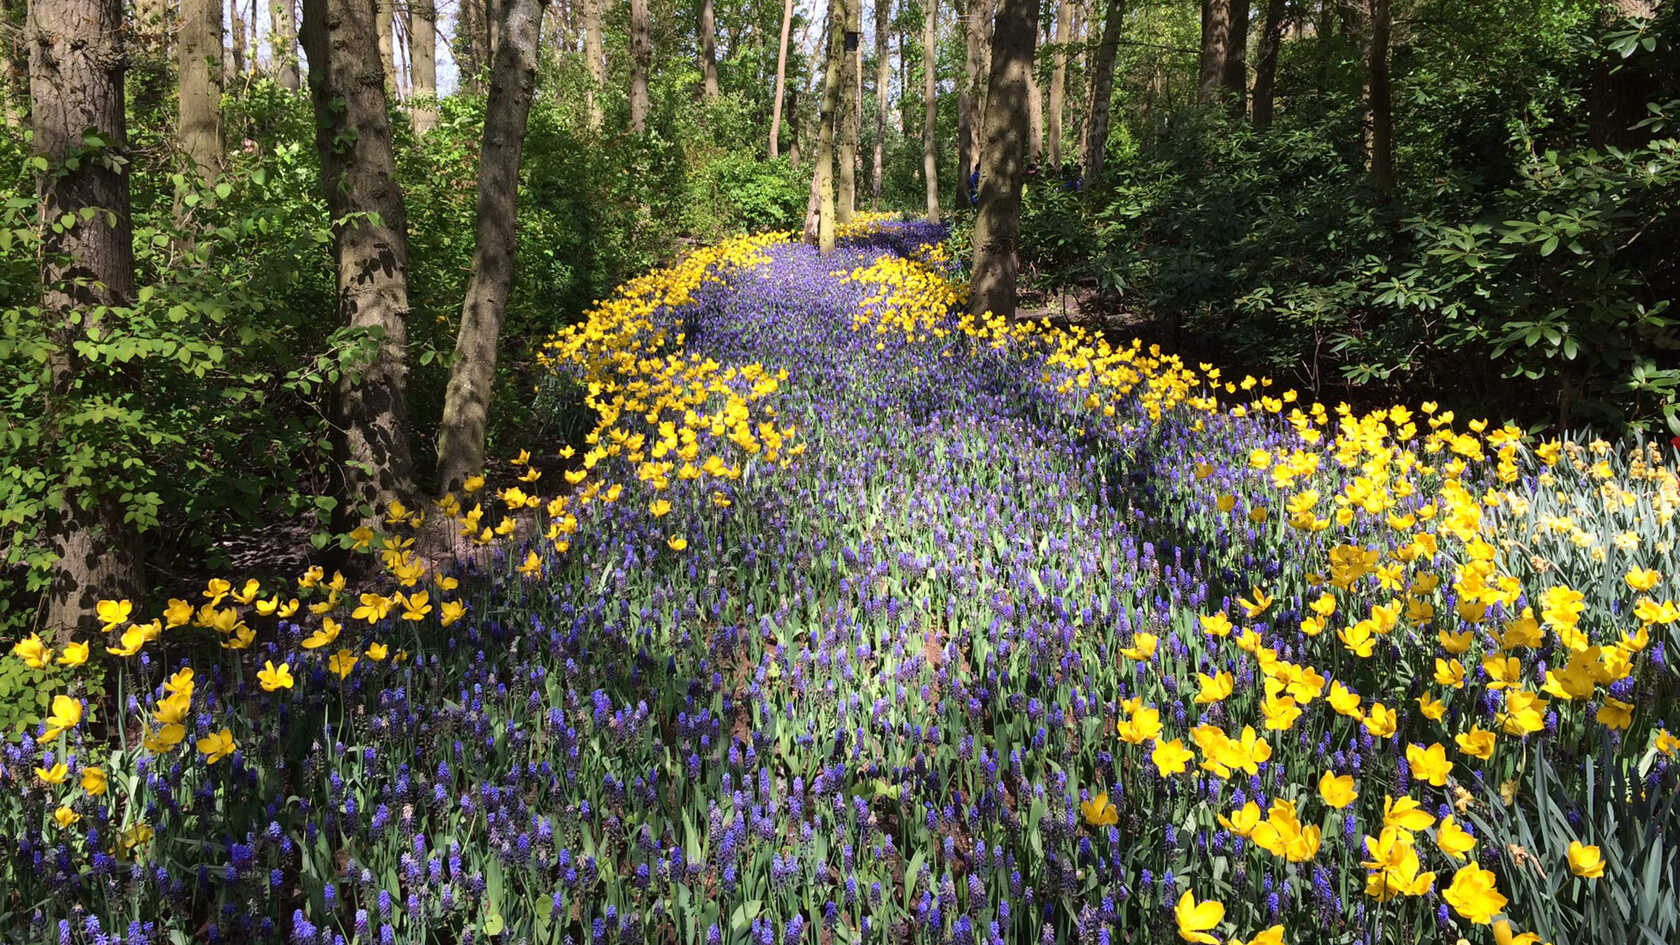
857, 619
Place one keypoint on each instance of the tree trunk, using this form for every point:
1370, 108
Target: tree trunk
1216, 50
846, 130
641, 56
199, 125
781, 82
422, 64
1265, 66
150, 78
282, 36
793, 126
472, 45
883, 78
1081, 105
472, 374
1035, 118
76, 87
708, 50
968, 101
930, 111
997, 228
1379, 113
900, 114
370, 245
822, 179
236, 46
1235, 84
384, 13
14, 83
1058, 80
1102, 91
592, 58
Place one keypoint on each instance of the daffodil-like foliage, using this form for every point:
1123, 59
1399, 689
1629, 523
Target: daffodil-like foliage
855, 618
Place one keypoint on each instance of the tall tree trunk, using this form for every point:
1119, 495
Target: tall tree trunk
1102, 91
708, 50
76, 86
968, 101
282, 37
384, 16
1081, 105
1035, 119
997, 228
236, 45
1235, 82
1058, 80
793, 126
472, 44
1379, 129
150, 79
472, 374
422, 64
641, 57
901, 112
1265, 65
846, 131
14, 83
199, 125
592, 58
781, 82
930, 112
821, 230
883, 78
370, 245
1216, 50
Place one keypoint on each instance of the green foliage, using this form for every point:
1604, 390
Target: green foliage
1627, 808
1533, 228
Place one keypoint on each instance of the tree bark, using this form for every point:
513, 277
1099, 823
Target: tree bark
199, 125
472, 374
76, 70
1058, 81
708, 50
821, 230
1102, 91
997, 228
592, 58
384, 15
1235, 83
846, 131
930, 111
641, 56
370, 246
781, 82
900, 114
472, 44
1379, 129
282, 37
236, 45
1265, 66
1035, 118
793, 126
883, 78
1216, 50
968, 101
14, 83
150, 78
422, 64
